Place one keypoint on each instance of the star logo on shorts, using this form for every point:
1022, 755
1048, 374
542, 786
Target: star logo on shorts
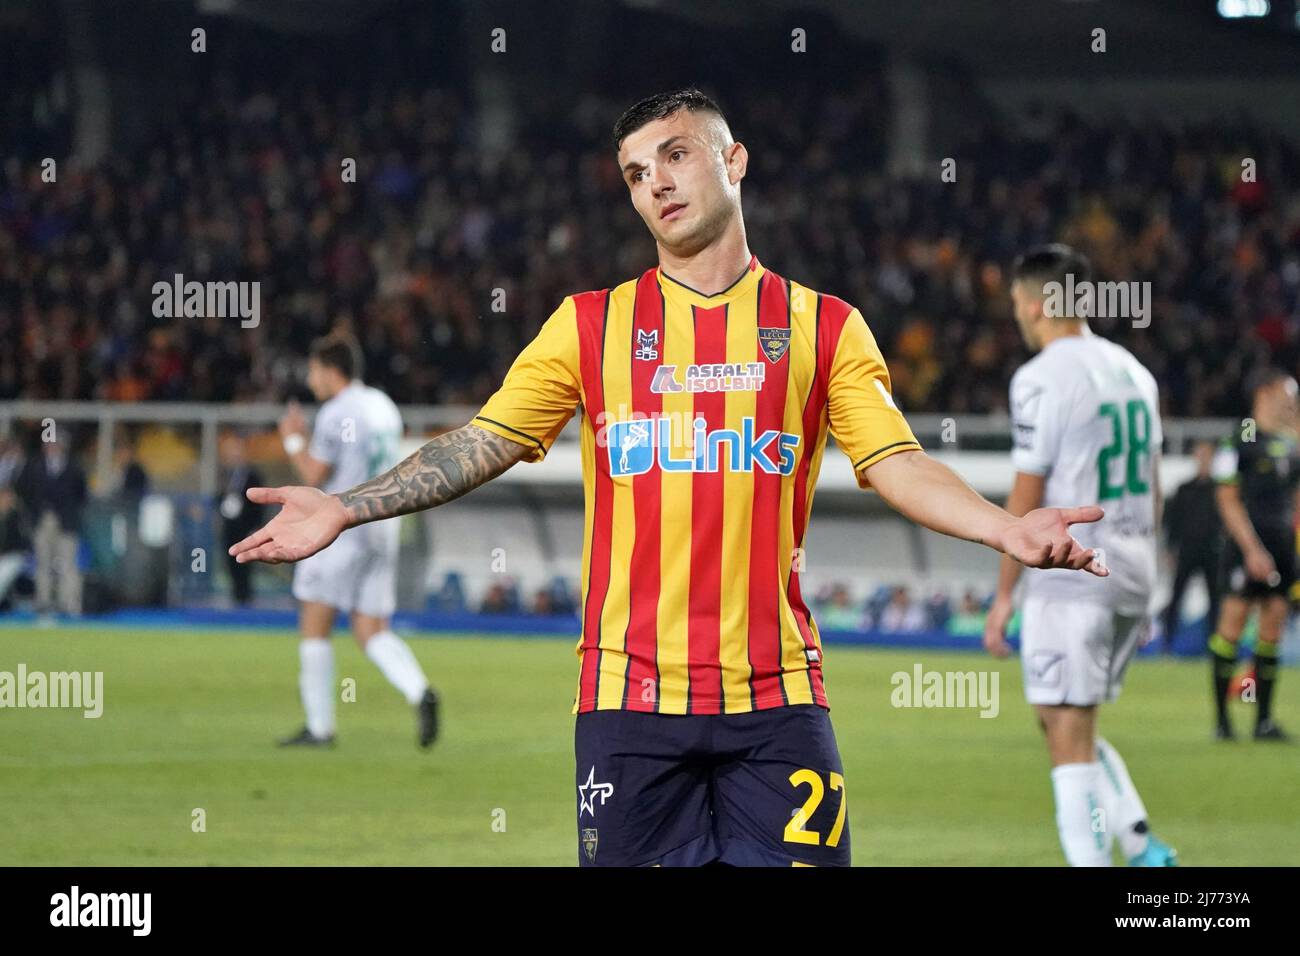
589, 791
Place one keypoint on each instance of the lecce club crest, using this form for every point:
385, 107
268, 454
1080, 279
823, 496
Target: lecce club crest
774, 342
589, 843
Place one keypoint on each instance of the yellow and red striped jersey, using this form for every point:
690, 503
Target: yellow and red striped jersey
704, 423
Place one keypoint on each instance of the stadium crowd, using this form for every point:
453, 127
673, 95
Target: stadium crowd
447, 253
436, 235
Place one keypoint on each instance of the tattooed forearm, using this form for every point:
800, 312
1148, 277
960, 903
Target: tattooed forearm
441, 471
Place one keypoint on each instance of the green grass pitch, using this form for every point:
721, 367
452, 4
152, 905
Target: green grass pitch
190, 717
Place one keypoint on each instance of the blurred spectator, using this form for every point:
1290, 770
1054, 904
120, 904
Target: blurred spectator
1194, 537
901, 615
11, 461
937, 610
839, 612
543, 603
14, 543
564, 599
239, 516
502, 597
132, 481
969, 617
54, 494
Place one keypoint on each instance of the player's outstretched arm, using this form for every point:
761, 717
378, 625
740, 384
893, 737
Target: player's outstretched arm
1026, 495
442, 470
932, 494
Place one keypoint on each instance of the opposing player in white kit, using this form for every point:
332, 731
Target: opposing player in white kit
356, 436
1086, 423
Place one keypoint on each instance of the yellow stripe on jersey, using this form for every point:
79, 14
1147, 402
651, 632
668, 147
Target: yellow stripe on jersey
729, 514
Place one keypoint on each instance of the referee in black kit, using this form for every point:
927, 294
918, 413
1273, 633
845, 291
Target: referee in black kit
1257, 473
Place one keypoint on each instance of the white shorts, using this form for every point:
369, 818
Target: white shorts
358, 572
1076, 652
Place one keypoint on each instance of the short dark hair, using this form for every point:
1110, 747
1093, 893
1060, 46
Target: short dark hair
340, 351
1262, 378
659, 106
1051, 263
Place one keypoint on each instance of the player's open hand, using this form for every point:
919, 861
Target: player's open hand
309, 522
1042, 539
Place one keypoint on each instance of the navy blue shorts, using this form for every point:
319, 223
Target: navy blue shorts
759, 789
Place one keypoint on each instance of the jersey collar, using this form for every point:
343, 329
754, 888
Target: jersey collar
744, 283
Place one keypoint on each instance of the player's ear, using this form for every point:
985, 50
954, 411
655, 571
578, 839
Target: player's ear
736, 158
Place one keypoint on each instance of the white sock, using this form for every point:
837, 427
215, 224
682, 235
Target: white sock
1085, 834
397, 661
1120, 798
316, 683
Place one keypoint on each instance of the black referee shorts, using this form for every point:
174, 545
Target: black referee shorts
1281, 544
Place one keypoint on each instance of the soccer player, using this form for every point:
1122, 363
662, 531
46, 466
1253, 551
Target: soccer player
1086, 424
356, 436
708, 386
1257, 475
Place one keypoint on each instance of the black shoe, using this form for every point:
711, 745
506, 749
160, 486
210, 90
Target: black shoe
1269, 730
305, 738
1224, 732
427, 711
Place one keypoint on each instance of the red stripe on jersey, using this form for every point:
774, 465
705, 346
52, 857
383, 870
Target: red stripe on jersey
593, 311
831, 315
766, 688
641, 689
704, 624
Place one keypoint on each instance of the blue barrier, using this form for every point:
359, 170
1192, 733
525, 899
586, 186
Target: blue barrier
1189, 642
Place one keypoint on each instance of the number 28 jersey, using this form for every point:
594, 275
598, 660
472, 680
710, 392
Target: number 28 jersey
358, 433
1085, 415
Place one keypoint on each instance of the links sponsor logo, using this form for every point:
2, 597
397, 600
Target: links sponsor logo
731, 377
637, 446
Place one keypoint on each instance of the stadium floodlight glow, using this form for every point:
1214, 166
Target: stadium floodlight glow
1238, 9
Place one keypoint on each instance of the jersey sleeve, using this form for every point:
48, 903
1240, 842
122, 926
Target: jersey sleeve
327, 435
1036, 424
863, 417
542, 389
